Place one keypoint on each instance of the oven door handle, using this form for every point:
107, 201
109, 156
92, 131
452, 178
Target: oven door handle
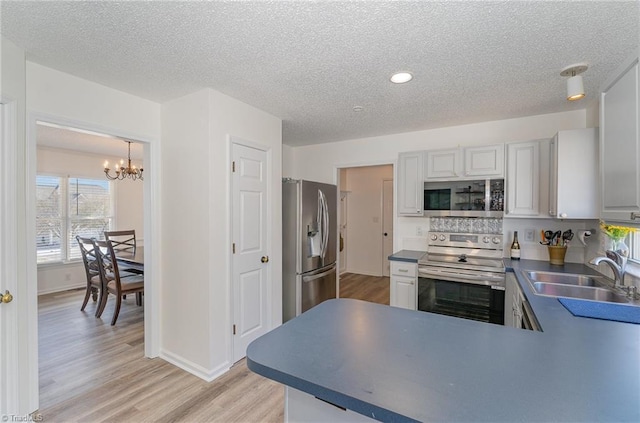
461, 277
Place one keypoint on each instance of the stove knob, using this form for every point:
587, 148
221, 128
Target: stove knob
486, 239
496, 240
442, 237
433, 237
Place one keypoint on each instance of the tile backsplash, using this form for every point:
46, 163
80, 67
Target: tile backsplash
478, 225
412, 234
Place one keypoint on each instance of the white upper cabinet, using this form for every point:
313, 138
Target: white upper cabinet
484, 161
573, 174
410, 184
523, 179
620, 143
442, 164
464, 163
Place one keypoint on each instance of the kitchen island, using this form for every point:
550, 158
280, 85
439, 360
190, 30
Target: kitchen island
392, 364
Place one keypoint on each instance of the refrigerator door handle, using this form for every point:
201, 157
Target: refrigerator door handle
325, 226
309, 278
322, 223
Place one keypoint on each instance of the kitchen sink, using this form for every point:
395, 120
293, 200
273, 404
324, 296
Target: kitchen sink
585, 287
565, 278
578, 291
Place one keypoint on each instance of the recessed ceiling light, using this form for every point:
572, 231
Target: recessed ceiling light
401, 77
358, 108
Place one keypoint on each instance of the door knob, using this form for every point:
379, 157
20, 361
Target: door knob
6, 297
265, 259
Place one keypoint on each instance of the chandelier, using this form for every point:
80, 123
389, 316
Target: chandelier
122, 172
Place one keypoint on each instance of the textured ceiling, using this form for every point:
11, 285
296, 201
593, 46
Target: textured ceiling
311, 62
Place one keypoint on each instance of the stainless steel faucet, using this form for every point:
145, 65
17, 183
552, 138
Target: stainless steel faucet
618, 264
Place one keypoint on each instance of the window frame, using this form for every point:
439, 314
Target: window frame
633, 240
65, 242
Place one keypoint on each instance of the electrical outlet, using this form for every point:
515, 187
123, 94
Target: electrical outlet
419, 231
529, 235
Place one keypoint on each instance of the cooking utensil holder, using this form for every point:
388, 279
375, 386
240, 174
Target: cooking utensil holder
556, 254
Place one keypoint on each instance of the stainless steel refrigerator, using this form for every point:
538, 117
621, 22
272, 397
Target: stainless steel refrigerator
309, 230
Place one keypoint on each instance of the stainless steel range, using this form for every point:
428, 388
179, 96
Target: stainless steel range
462, 275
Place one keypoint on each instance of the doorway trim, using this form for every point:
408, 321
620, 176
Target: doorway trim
385, 260
18, 361
152, 216
336, 181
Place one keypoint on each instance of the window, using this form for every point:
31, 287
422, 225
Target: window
66, 207
634, 245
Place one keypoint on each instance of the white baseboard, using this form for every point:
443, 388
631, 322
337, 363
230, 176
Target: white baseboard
193, 368
61, 288
362, 272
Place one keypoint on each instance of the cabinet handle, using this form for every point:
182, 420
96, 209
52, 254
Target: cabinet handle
411, 283
635, 216
403, 270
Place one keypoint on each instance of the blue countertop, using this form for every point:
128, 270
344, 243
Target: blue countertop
407, 255
394, 364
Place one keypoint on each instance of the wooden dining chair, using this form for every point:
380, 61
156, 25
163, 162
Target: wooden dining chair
124, 241
114, 282
92, 272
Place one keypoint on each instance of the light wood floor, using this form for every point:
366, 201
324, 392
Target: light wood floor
93, 372
362, 287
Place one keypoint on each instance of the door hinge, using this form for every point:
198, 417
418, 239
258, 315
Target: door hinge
233, 166
234, 329
233, 247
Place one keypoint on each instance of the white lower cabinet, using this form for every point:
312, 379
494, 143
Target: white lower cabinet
404, 283
302, 407
513, 302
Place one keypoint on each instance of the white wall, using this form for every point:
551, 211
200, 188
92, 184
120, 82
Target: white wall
55, 93
128, 210
65, 99
196, 322
319, 162
364, 218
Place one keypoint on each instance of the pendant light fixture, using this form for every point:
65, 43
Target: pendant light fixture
575, 87
122, 172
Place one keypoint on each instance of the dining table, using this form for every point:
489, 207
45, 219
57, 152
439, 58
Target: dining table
131, 260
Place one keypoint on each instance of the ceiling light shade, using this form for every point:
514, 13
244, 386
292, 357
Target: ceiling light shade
401, 77
122, 172
575, 86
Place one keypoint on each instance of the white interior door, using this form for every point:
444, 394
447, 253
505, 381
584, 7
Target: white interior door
251, 268
387, 225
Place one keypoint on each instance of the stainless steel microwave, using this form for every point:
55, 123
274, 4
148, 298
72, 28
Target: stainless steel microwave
478, 198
